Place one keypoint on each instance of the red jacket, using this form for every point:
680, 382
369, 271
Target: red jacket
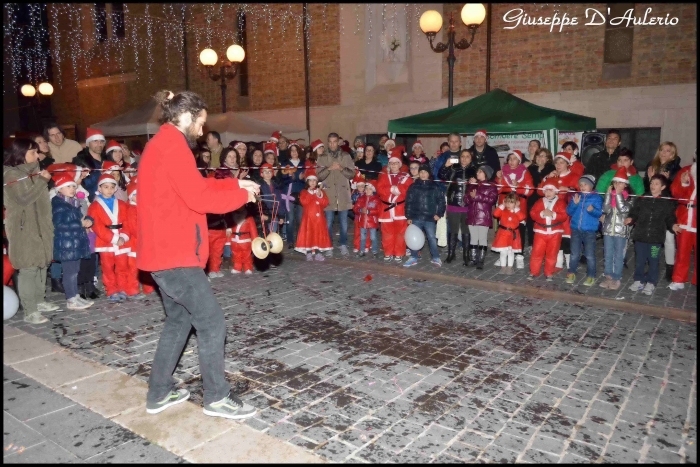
386, 181
107, 238
549, 225
686, 212
364, 220
173, 201
524, 189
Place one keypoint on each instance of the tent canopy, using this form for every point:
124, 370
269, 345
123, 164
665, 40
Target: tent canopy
140, 121
497, 112
233, 126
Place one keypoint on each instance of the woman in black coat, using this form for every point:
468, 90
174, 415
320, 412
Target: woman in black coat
458, 175
369, 166
541, 166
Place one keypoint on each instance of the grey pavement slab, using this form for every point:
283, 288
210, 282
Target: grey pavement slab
42, 426
359, 366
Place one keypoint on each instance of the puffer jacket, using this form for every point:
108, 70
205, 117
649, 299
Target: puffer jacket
70, 240
614, 223
652, 217
85, 159
458, 175
364, 220
424, 200
28, 223
581, 218
480, 206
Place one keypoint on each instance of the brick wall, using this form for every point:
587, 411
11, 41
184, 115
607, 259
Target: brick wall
532, 59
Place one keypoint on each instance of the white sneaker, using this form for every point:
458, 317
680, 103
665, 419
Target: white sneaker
87, 302
234, 271
220, 274
249, 272
520, 262
498, 262
46, 306
648, 289
213, 275
637, 286
676, 286
75, 304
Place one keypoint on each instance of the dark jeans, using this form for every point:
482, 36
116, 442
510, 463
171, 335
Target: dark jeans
455, 221
647, 252
293, 216
429, 228
372, 237
189, 301
70, 278
343, 218
581, 238
86, 276
56, 270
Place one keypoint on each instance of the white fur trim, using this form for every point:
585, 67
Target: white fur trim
94, 138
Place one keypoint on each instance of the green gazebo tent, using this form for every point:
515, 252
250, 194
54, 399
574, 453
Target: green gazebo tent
497, 112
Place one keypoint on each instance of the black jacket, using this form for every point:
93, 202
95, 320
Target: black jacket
458, 175
84, 159
600, 162
652, 217
48, 160
672, 167
371, 170
488, 157
424, 200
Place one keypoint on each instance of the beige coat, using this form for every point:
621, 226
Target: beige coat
337, 182
66, 151
28, 219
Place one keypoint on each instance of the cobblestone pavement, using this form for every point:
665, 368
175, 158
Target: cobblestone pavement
41, 426
357, 366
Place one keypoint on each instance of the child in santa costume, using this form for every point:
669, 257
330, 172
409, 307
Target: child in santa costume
130, 227
392, 188
116, 152
508, 241
565, 180
399, 153
358, 186
243, 232
549, 216
515, 178
418, 154
367, 210
109, 215
684, 188
313, 231
71, 243
113, 169
576, 165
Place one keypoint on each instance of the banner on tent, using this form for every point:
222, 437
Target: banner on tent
565, 136
506, 142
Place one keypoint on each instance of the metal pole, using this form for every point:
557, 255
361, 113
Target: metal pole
451, 66
488, 48
306, 69
223, 91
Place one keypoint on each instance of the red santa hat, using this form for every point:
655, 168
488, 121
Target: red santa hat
62, 179
360, 148
131, 189
276, 136
310, 173
240, 144
517, 154
270, 147
417, 144
549, 185
266, 166
564, 155
106, 178
621, 176
480, 133
359, 178
112, 145
109, 165
93, 135
389, 141
373, 184
294, 143
395, 155
317, 144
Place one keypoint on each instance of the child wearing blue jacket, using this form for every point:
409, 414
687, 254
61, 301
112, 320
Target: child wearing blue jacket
584, 210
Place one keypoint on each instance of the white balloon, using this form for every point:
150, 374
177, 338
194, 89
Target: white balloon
10, 302
414, 236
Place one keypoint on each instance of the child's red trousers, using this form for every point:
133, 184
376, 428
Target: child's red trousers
393, 241
242, 256
115, 272
137, 277
687, 241
217, 241
544, 247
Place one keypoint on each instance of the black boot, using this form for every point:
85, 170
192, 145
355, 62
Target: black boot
57, 286
81, 291
451, 248
473, 255
482, 257
465, 248
669, 272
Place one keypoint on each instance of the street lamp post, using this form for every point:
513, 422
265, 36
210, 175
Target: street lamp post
35, 93
228, 69
473, 15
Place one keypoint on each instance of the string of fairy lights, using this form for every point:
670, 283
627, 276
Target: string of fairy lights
156, 32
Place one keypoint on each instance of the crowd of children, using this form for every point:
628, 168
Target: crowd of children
567, 211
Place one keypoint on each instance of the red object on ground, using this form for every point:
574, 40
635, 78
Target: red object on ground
368, 277
7, 270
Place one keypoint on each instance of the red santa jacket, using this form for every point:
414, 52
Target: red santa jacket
525, 187
686, 212
314, 204
244, 232
564, 182
393, 207
549, 225
103, 218
173, 201
131, 228
509, 219
374, 204
577, 169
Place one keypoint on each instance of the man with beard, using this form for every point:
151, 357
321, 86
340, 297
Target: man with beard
173, 247
92, 157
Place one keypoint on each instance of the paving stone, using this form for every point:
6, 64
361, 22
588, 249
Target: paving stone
538, 457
